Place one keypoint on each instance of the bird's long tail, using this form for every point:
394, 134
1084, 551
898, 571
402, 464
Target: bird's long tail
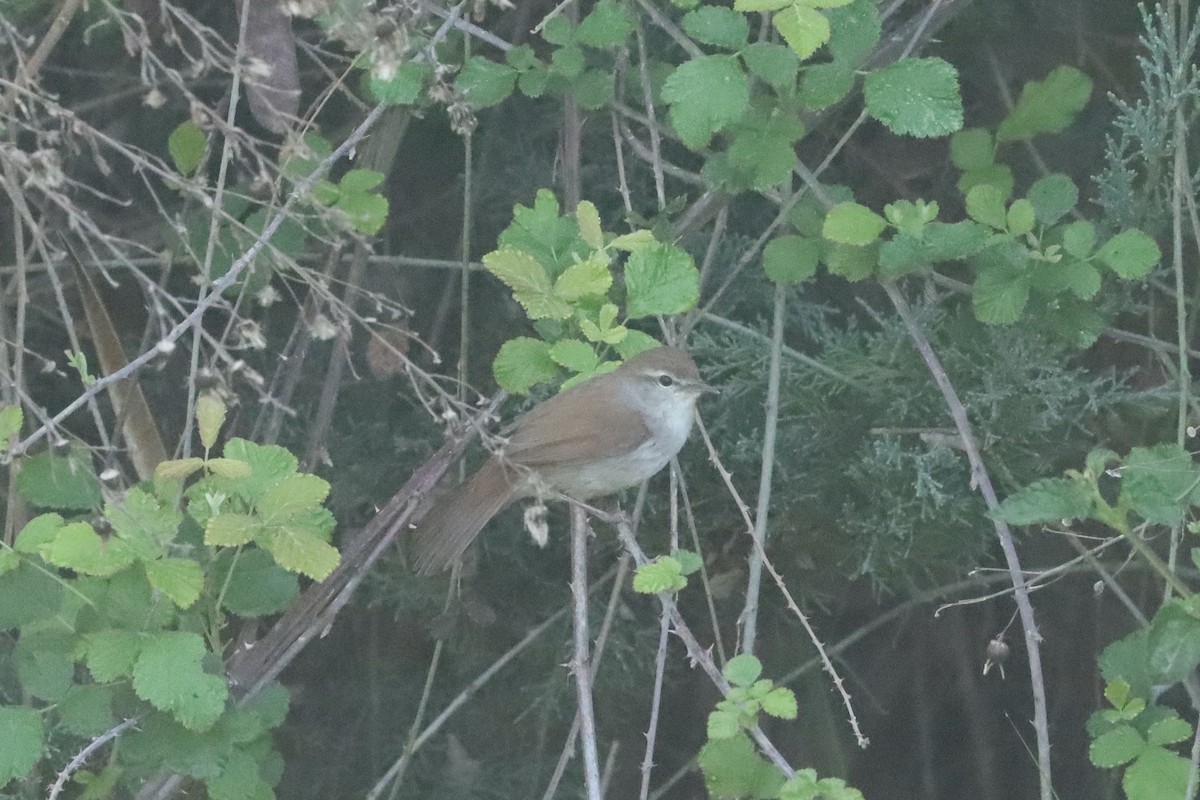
456, 520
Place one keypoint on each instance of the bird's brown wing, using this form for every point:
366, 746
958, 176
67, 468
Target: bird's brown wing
563, 431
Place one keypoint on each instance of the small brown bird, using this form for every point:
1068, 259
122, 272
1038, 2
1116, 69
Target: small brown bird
604, 435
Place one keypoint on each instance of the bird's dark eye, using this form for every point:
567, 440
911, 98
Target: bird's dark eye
666, 380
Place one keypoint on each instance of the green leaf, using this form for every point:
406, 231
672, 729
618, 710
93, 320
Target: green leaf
1078, 277
997, 175
663, 574
54, 481
567, 61
484, 83
45, 663
38, 531
824, 85
87, 710
402, 86
210, 416
953, 241
742, 670
1131, 254
705, 95
854, 30
11, 419
773, 64
660, 280
110, 655
590, 278
635, 240
999, 295
529, 281
558, 30
230, 529
229, 468
1158, 481
521, 58
1156, 775
853, 224
590, 229
575, 355
144, 523
593, 89
177, 469
298, 550
534, 82
717, 26
608, 25
77, 546
366, 212
1046, 106
1171, 730
1020, 218
764, 147
689, 562
972, 148
791, 259
292, 495
20, 742
733, 769
1048, 500
1128, 659
1053, 197
257, 586
240, 779
916, 97
852, 262
186, 146
523, 363
1174, 644
780, 702
636, 342
1079, 238
804, 29
170, 676
180, 579
9, 560
723, 724
985, 204
746, 6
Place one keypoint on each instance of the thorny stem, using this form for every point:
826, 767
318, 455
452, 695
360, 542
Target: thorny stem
580, 662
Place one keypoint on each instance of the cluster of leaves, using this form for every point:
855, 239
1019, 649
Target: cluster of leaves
141, 592
560, 270
352, 204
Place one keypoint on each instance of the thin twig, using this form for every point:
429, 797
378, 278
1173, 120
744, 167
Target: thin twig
580, 661
83, 755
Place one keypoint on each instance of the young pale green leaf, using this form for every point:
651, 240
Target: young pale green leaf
747, 6
916, 97
229, 468
1048, 500
717, 26
1079, 238
54, 481
1156, 774
401, 86
146, 525
705, 95
292, 495
529, 281
1053, 197
636, 342
824, 85
773, 64
733, 769
854, 31
780, 702
972, 148
230, 529
588, 278
180, 579
77, 546
663, 574
37, 532
660, 280
1021, 217
633, 241
360, 181
1171, 730
484, 83
1131, 254
742, 670
689, 562
522, 363
853, 224
723, 724
791, 259
1159, 482
1046, 106
11, 419
608, 25
985, 204
186, 146
804, 28
590, 229
21, 742
170, 676
110, 655
177, 469
575, 355
300, 551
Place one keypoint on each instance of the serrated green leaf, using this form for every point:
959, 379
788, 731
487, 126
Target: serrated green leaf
1046, 106
170, 676
366, 212
86, 710
590, 229
804, 28
1079, 238
997, 175
144, 523
77, 546
1169, 731
45, 663
773, 64
791, 259
742, 670
689, 562
575, 355
239, 779
523, 363
853, 224
999, 295
231, 529
298, 550
400, 87
1157, 482
608, 25
567, 61
1048, 500
733, 769
590, 278
1116, 747
38, 531
660, 280
529, 282
781, 703
1020, 218
11, 419
1158, 773
20, 741
293, 494
985, 204
257, 586
636, 342
177, 469
534, 81
854, 31
1053, 197
824, 85
229, 468
54, 481
953, 241
1078, 277
558, 30
852, 262
705, 95
521, 58
633, 241
110, 655
484, 83
663, 574
763, 147
722, 725
186, 146
717, 26
747, 6
916, 97
180, 579
972, 149
1131, 254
